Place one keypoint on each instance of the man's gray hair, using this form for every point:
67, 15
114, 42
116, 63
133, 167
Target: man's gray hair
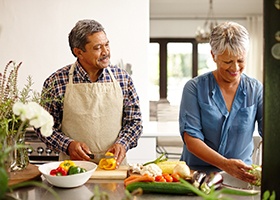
78, 35
229, 36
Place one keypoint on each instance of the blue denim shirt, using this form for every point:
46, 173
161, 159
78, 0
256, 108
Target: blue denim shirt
203, 115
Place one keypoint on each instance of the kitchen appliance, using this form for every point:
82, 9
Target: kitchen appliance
38, 152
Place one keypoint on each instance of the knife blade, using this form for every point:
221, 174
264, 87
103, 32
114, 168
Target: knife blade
99, 156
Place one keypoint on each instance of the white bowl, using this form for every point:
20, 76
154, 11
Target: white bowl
68, 181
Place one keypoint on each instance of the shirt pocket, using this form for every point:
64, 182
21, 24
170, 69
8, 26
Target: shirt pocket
245, 119
211, 119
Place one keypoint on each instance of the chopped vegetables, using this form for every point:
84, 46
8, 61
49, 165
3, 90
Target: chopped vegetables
108, 163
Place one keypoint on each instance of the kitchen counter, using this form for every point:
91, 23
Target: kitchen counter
114, 188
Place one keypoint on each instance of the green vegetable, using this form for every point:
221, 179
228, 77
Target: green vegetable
156, 161
76, 170
160, 187
257, 171
216, 194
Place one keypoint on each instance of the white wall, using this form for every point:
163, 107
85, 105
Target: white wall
183, 28
36, 33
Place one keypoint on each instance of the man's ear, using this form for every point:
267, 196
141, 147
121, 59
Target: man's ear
78, 52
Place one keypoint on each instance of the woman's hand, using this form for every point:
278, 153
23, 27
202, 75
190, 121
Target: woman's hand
238, 169
119, 151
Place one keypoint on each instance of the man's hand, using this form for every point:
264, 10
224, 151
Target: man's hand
78, 151
119, 151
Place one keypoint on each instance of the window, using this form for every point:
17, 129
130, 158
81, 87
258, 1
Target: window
205, 61
174, 61
179, 69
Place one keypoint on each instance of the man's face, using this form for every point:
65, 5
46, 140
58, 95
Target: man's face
97, 54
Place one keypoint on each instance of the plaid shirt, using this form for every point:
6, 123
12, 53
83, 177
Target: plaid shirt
55, 86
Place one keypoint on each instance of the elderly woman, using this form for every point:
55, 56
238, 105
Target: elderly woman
219, 109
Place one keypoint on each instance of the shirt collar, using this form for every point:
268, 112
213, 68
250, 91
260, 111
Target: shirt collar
83, 74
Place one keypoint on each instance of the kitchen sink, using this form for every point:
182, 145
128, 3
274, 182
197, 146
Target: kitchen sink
235, 183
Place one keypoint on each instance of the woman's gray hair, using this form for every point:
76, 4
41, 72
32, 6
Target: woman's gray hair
78, 36
229, 36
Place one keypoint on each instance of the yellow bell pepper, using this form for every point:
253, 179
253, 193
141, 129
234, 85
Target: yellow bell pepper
66, 164
108, 163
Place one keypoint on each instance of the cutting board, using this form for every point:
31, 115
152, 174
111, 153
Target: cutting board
120, 173
30, 173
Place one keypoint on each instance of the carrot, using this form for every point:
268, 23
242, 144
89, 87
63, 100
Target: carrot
142, 178
132, 177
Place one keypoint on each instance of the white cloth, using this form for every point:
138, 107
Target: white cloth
92, 113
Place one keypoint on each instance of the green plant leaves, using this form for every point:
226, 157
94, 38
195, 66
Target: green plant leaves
3, 182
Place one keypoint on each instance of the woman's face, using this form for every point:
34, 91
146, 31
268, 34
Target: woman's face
229, 67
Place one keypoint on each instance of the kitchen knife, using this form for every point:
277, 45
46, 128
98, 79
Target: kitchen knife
99, 156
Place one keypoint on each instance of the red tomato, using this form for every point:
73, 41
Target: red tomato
167, 177
160, 178
176, 177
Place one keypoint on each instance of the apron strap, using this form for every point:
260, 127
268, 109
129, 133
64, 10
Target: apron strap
111, 75
71, 72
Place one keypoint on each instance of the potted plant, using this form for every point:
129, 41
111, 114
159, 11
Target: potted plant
19, 109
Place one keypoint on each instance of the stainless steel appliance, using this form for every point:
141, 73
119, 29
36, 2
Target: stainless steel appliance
38, 152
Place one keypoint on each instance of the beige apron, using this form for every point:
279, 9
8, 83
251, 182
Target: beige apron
92, 113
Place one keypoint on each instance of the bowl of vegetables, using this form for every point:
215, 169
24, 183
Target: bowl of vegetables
67, 173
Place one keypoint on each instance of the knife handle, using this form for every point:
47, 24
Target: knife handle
90, 155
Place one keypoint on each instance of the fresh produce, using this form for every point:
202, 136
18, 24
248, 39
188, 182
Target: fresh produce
156, 161
183, 170
176, 177
257, 171
76, 170
213, 180
198, 178
216, 194
66, 164
108, 163
167, 177
138, 178
160, 187
151, 169
58, 172
135, 167
160, 178
67, 167
168, 166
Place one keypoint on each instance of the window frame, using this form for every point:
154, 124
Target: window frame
163, 60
